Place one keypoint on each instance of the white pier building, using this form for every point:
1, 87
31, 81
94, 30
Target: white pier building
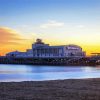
42, 50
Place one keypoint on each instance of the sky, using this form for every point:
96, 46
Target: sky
57, 22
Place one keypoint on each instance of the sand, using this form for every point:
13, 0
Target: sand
70, 89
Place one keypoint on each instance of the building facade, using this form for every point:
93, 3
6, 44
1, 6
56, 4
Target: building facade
42, 50
18, 54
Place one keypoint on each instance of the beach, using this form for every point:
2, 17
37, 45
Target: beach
69, 89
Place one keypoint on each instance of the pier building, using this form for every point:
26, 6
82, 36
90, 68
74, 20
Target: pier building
42, 50
18, 54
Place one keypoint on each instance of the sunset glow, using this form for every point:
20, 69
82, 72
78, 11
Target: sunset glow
56, 22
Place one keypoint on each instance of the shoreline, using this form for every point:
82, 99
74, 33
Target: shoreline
72, 89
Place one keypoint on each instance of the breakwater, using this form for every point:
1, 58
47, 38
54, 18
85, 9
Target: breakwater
51, 61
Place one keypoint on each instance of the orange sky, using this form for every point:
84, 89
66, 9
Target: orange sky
57, 22
11, 40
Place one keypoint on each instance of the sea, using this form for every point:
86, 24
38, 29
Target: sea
18, 73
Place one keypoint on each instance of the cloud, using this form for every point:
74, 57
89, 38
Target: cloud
80, 26
51, 24
9, 36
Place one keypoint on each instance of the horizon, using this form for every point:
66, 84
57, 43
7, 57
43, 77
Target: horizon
56, 22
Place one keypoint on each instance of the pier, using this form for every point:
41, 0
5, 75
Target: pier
44, 54
84, 61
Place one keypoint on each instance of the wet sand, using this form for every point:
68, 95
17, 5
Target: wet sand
70, 89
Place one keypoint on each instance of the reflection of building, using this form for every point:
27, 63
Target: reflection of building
42, 50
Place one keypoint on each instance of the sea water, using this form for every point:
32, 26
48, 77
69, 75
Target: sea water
17, 73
